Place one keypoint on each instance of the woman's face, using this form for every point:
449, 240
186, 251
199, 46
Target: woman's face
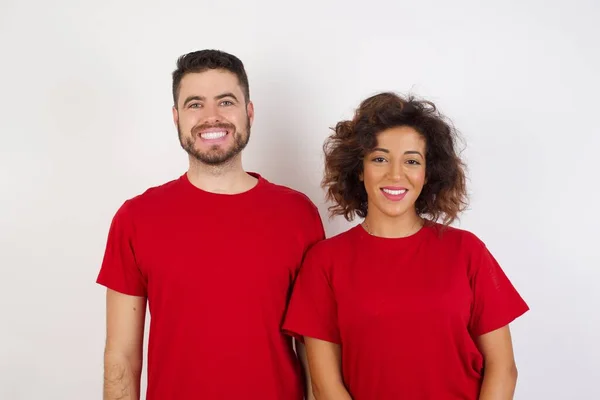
394, 172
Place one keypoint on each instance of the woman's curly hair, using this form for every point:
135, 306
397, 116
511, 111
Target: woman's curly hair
443, 196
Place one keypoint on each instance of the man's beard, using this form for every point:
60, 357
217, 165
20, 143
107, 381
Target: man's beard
215, 156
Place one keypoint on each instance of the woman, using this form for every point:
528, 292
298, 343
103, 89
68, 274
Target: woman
402, 306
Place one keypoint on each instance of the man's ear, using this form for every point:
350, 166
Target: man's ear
250, 112
175, 116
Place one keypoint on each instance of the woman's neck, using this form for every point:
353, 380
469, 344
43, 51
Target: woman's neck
379, 224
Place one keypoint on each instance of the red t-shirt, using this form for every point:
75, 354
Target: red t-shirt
405, 311
217, 271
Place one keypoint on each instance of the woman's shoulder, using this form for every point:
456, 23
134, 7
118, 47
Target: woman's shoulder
454, 236
336, 243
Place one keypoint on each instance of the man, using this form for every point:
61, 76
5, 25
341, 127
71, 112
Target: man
213, 253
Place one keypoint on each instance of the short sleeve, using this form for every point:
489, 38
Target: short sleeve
119, 270
312, 310
311, 229
496, 302
317, 231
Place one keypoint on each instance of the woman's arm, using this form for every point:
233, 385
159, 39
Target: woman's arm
325, 365
500, 370
301, 351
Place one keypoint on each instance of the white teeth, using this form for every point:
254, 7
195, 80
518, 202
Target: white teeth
395, 192
213, 135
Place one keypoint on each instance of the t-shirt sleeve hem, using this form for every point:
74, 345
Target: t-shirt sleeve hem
501, 322
120, 288
300, 334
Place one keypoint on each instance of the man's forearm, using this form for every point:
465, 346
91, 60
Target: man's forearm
121, 378
499, 382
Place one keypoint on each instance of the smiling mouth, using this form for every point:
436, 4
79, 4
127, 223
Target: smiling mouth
394, 192
213, 134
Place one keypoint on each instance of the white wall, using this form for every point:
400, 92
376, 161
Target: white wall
85, 123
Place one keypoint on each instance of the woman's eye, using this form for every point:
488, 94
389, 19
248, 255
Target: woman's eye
379, 159
413, 162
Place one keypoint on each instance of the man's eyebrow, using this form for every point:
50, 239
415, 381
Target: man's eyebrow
228, 94
202, 98
192, 98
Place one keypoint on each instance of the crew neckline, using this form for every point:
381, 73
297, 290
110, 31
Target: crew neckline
364, 235
190, 187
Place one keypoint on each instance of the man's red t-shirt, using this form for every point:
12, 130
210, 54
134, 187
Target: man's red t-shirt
405, 311
217, 270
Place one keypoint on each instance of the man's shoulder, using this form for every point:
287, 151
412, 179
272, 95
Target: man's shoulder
287, 195
153, 196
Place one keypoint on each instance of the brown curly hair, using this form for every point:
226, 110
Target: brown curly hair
443, 196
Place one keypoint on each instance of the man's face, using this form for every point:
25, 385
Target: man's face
212, 117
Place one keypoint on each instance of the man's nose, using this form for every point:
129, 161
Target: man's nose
211, 113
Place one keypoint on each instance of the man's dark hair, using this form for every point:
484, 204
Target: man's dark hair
202, 60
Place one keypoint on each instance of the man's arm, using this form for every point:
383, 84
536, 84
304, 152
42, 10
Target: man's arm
123, 354
324, 361
500, 371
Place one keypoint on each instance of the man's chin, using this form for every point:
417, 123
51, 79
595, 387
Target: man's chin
214, 156
214, 159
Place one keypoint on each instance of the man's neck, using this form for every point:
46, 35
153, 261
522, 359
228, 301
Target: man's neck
228, 178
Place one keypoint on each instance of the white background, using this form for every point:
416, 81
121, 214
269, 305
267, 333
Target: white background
85, 122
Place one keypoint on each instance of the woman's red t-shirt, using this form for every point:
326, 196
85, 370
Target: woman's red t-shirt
405, 311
